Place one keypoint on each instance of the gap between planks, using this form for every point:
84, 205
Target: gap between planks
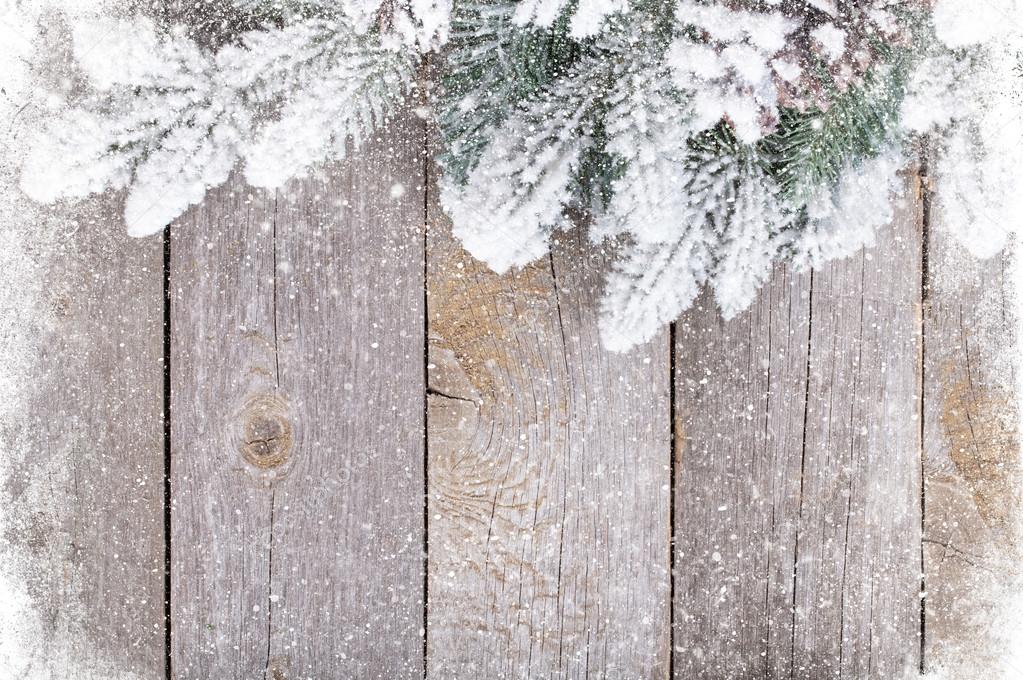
924, 197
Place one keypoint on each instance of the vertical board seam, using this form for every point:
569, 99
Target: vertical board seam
168, 673
924, 196
164, 13
424, 127
802, 474
672, 452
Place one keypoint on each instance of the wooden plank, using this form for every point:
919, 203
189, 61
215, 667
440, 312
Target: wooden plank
224, 395
972, 473
83, 454
857, 574
797, 494
740, 391
297, 438
348, 523
223, 372
548, 474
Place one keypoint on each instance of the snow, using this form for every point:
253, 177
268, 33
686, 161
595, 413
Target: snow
517, 194
941, 88
328, 110
979, 188
961, 24
419, 24
34, 241
845, 218
971, 104
587, 18
183, 117
832, 39
731, 76
24, 232
71, 157
786, 70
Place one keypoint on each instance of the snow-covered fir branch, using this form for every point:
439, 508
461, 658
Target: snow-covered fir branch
966, 95
172, 119
710, 138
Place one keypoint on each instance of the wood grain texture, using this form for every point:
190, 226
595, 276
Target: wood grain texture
83, 465
223, 371
548, 475
297, 442
973, 479
348, 526
857, 580
798, 489
740, 394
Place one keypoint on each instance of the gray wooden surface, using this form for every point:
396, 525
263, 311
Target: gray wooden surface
348, 556
297, 437
857, 570
971, 465
223, 386
740, 391
83, 465
797, 495
362, 415
548, 475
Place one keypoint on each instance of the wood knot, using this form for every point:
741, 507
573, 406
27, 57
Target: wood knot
266, 437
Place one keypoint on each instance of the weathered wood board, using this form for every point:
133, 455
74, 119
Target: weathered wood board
388, 462
857, 572
797, 485
297, 437
83, 466
740, 395
222, 356
549, 475
972, 473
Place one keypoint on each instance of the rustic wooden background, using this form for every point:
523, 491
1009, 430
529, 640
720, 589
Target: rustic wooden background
312, 438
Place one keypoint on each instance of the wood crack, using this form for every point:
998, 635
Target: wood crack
433, 392
849, 488
965, 556
557, 303
924, 197
802, 474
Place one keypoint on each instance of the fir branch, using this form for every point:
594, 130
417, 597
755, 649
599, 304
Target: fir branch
172, 119
810, 149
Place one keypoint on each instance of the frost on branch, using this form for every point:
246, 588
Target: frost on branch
742, 60
748, 246
163, 120
728, 234
518, 191
712, 138
170, 119
726, 64
333, 87
648, 134
845, 217
968, 98
421, 24
693, 216
587, 16
712, 141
